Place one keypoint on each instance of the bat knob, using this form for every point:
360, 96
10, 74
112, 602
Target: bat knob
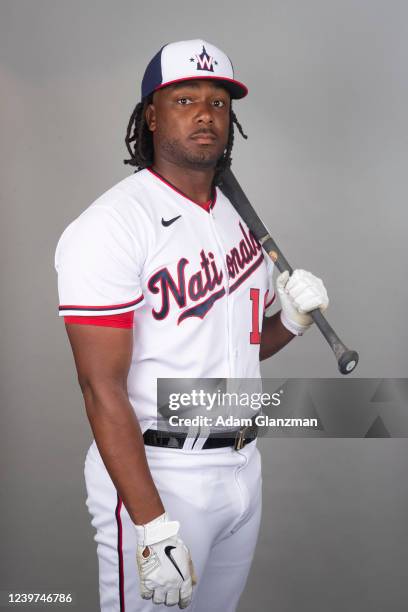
348, 362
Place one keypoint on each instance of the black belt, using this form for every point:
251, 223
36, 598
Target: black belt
238, 439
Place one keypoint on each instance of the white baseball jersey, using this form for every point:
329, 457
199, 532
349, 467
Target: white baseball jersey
199, 280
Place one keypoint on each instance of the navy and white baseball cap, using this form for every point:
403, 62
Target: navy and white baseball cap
190, 59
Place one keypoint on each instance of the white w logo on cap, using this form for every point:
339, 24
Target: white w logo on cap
205, 61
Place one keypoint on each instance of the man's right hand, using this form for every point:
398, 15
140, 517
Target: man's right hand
164, 562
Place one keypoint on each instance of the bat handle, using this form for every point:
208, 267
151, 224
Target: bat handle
347, 359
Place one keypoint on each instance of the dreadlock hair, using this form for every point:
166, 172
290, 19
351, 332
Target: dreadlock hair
139, 140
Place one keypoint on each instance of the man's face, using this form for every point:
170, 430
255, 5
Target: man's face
190, 123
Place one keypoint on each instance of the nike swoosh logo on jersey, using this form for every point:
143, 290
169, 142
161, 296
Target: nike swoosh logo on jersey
168, 550
170, 221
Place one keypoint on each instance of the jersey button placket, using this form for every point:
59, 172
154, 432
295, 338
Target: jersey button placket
223, 254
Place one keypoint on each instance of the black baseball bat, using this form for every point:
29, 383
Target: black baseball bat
347, 359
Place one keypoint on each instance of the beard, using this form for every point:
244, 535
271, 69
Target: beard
206, 157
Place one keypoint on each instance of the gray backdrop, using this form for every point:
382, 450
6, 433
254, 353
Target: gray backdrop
325, 164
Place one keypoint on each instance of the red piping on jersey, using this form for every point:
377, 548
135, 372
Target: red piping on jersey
271, 301
120, 555
123, 320
101, 308
205, 205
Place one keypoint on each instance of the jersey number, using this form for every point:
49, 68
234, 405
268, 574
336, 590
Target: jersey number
255, 335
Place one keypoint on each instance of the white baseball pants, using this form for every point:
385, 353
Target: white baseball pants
216, 496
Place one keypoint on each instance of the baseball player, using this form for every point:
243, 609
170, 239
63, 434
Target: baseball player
161, 278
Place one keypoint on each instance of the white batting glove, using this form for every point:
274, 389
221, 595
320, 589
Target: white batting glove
166, 573
299, 294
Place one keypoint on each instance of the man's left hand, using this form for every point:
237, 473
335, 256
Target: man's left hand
300, 293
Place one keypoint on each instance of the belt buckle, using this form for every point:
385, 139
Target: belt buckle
240, 438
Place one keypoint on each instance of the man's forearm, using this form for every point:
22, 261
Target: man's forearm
120, 442
274, 336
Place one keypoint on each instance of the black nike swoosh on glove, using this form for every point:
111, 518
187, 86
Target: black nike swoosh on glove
168, 550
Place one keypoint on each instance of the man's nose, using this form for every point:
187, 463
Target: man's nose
204, 112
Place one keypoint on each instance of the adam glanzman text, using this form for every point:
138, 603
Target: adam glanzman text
261, 420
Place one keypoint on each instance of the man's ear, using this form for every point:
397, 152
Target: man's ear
150, 116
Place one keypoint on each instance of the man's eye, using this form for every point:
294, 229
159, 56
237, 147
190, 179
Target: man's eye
183, 100
219, 103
